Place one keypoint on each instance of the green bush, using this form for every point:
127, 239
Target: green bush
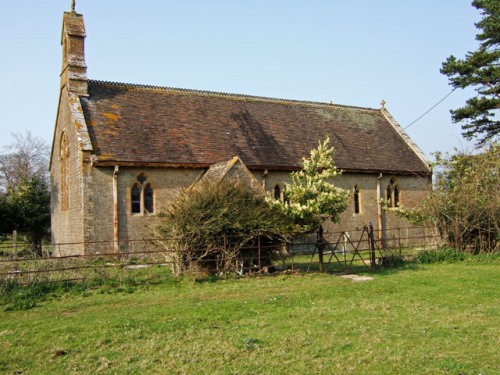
440, 255
15, 296
216, 226
465, 203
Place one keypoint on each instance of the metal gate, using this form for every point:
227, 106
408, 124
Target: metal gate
344, 251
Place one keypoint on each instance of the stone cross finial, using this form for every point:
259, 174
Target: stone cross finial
382, 104
73, 4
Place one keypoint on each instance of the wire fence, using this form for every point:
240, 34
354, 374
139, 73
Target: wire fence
146, 260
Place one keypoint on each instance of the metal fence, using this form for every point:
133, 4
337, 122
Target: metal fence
335, 252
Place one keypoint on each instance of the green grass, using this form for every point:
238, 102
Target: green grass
419, 319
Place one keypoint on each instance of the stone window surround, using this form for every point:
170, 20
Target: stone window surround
356, 199
393, 193
142, 182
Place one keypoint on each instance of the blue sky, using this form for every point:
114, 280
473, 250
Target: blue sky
349, 52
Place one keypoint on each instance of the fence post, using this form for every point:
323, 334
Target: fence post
321, 246
372, 246
14, 243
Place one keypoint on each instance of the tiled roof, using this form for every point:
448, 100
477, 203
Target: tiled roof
146, 125
232, 169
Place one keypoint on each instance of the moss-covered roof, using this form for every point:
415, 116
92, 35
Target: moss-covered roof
144, 125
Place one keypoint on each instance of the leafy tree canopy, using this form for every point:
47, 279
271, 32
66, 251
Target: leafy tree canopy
480, 70
29, 211
465, 203
311, 198
6, 225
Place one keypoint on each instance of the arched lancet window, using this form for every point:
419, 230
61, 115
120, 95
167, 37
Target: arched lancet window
142, 196
135, 196
64, 161
148, 199
393, 193
356, 199
389, 196
396, 196
277, 193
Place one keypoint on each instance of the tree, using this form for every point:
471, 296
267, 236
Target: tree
214, 223
465, 203
6, 224
29, 207
480, 70
27, 158
311, 199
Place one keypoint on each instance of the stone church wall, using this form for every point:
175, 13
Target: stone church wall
413, 189
166, 184
97, 219
67, 225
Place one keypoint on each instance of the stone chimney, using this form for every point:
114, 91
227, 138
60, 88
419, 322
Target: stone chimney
74, 69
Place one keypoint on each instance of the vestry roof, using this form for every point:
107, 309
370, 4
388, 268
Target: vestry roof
143, 125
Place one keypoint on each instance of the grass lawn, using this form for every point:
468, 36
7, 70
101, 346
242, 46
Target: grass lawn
432, 319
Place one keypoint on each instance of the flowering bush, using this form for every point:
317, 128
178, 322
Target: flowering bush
311, 199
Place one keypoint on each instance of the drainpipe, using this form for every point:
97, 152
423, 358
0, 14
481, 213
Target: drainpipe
379, 209
115, 210
264, 175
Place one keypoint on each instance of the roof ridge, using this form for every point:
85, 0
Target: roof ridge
226, 94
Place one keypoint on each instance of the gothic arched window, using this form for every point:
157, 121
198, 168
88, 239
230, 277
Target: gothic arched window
135, 196
393, 193
396, 196
64, 161
389, 196
148, 199
142, 196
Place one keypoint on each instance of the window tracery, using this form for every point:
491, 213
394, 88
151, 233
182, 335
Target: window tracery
393, 193
142, 196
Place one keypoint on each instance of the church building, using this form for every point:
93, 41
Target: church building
120, 151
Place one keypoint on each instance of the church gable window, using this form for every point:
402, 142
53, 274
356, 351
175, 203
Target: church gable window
142, 196
64, 165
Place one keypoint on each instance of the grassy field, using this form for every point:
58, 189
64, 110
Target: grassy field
432, 319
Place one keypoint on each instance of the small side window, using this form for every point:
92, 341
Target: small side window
142, 196
136, 199
393, 193
148, 199
277, 193
396, 196
356, 199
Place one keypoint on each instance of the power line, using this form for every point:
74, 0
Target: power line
430, 109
